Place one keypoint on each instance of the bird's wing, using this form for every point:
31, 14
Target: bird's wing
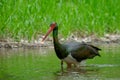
70, 46
81, 50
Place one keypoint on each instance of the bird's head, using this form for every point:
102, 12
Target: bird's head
52, 27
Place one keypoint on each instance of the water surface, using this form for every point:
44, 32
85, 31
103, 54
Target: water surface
42, 64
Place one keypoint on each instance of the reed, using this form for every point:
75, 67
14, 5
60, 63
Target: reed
28, 18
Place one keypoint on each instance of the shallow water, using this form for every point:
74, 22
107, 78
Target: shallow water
42, 64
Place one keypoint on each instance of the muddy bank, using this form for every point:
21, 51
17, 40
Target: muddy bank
107, 39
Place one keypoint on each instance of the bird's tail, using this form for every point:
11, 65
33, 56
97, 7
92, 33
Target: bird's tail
96, 50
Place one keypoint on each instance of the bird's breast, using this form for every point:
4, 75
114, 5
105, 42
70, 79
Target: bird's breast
70, 59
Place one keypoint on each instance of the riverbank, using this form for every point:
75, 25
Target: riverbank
107, 39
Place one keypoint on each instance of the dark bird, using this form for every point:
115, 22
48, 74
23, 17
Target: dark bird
72, 52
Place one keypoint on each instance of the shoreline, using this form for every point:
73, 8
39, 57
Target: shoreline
107, 39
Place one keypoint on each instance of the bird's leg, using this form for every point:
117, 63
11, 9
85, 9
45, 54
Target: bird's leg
68, 66
76, 66
61, 65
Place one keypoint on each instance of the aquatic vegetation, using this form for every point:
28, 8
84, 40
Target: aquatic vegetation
28, 19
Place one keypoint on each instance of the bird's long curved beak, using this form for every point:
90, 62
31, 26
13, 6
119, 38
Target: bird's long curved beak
49, 31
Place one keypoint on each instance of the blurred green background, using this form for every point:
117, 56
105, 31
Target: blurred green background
26, 19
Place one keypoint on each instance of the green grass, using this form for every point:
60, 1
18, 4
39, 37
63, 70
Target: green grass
28, 18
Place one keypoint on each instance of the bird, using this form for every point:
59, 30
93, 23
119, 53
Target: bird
72, 53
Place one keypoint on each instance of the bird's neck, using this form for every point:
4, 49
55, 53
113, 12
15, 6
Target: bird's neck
55, 36
58, 47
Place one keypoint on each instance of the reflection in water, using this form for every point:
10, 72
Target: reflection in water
91, 72
42, 64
